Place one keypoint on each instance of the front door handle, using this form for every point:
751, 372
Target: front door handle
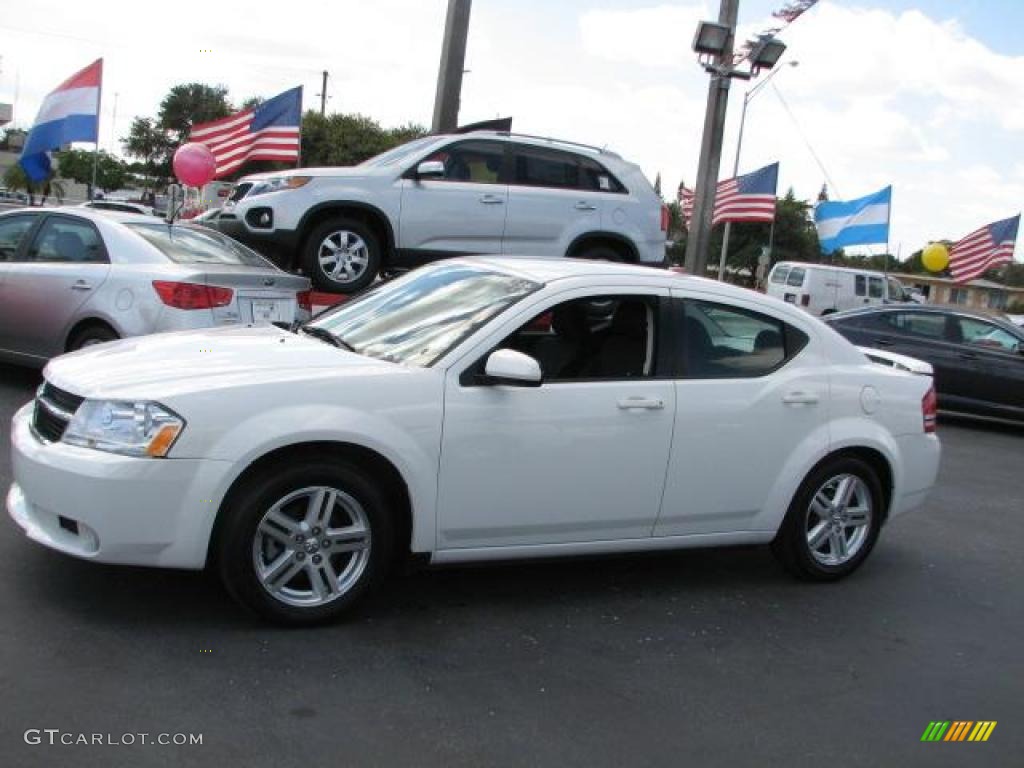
883, 342
81, 285
491, 200
583, 205
641, 403
800, 398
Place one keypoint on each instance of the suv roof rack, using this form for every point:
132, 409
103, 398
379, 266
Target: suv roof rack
551, 140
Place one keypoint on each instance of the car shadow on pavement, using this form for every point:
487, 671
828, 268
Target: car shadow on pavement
964, 421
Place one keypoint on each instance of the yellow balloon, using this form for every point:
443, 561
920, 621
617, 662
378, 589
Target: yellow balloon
935, 257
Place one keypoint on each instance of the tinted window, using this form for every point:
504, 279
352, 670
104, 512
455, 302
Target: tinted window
418, 318
63, 239
600, 337
875, 287
796, 277
981, 334
861, 283
185, 245
546, 168
475, 161
780, 273
726, 342
930, 325
12, 230
594, 176
239, 191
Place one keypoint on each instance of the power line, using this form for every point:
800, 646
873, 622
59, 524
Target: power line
806, 141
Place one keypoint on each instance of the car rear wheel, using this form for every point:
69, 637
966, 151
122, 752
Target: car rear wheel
342, 256
598, 253
90, 335
833, 523
304, 543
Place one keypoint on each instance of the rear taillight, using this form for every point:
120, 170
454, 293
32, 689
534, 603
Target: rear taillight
666, 217
929, 409
192, 295
305, 300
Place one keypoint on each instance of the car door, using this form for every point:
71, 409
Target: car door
993, 355
15, 232
580, 457
63, 266
751, 402
461, 211
552, 199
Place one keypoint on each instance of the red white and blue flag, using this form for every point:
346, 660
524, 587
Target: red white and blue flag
70, 113
749, 198
983, 249
269, 131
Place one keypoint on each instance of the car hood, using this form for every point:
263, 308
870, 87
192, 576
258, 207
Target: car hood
316, 173
171, 364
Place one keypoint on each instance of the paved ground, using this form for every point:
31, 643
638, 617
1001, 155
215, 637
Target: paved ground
692, 659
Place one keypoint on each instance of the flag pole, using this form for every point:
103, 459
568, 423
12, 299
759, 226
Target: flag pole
298, 154
96, 146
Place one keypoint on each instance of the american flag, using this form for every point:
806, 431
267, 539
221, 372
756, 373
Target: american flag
749, 198
792, 11
983, 249
269, 131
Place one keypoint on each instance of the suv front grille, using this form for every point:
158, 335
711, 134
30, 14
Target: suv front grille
53, 410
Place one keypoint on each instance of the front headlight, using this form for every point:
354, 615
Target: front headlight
279, 183
128, 428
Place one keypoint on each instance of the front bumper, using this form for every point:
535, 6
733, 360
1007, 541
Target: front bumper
113, 509
279, 245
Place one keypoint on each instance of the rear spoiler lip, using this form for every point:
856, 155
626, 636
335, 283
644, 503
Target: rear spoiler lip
898, 361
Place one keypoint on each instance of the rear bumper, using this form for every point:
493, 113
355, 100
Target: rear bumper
920, 456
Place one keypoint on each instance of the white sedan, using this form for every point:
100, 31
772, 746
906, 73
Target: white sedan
480, 409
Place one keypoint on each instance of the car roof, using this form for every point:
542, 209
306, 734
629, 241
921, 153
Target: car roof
814, 265
923, 308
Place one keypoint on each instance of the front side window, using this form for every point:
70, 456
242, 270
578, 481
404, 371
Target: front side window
796, 277
65, 240
720, 341
780, 273
418, 318
12, 231
981, 334
928, 325
593, 338
478, 162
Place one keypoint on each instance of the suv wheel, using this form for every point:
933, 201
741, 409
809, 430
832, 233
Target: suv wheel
342, 256
302, 544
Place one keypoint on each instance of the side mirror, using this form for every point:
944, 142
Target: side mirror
506, 366
430, 169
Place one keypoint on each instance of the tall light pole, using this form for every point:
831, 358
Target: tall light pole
453, 61
747, 98
713, 43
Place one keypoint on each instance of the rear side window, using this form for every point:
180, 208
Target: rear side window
546, 168
720, 341
927, 325
779, 274
185, 245
595, 177
861, 285
63, 239
796, 277
12, 231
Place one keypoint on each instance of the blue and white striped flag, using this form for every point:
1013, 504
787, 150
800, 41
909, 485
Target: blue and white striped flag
855, 222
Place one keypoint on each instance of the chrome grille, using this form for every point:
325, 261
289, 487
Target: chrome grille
53, 410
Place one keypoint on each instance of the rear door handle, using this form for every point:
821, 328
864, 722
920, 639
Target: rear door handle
641, 403
491, 200
583, 205
81, 285
800, 398
968, 355
883, 342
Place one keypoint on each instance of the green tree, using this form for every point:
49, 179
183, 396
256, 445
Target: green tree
341, 139
76, 164
153, 147
191, 103
16, 181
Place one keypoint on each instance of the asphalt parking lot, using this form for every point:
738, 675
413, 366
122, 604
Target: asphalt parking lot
693, 658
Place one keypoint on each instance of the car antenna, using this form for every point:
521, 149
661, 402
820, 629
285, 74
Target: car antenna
175, 202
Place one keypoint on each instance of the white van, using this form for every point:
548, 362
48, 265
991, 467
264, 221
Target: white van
822, 289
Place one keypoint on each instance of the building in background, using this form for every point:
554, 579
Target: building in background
980, 294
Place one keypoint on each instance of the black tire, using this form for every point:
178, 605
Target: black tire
91, 334
598, 253
241, 543
342, 231
791, 545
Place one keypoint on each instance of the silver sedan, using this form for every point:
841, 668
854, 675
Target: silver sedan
71, 277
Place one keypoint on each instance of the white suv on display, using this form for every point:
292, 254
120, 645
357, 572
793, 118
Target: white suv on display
483, 192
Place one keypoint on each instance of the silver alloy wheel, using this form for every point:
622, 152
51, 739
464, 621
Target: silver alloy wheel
311, 546
838, 519
343, 256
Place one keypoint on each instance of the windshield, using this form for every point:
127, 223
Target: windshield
395, 155
418, 318
187, 245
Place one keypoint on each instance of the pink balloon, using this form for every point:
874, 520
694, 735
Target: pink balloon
194, 164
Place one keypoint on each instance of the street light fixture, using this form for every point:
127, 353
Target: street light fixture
711, 38
766, 53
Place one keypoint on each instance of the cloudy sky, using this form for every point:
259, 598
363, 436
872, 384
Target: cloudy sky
927, 95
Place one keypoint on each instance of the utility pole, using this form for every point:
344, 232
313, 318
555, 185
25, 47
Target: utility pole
453, 61
711, 148
323, 96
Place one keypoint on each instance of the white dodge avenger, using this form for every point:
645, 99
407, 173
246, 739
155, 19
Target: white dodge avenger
480, 409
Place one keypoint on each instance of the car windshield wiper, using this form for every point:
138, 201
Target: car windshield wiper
325, 335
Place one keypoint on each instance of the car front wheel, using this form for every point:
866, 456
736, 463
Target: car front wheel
834, 520
303, 543
342, 256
